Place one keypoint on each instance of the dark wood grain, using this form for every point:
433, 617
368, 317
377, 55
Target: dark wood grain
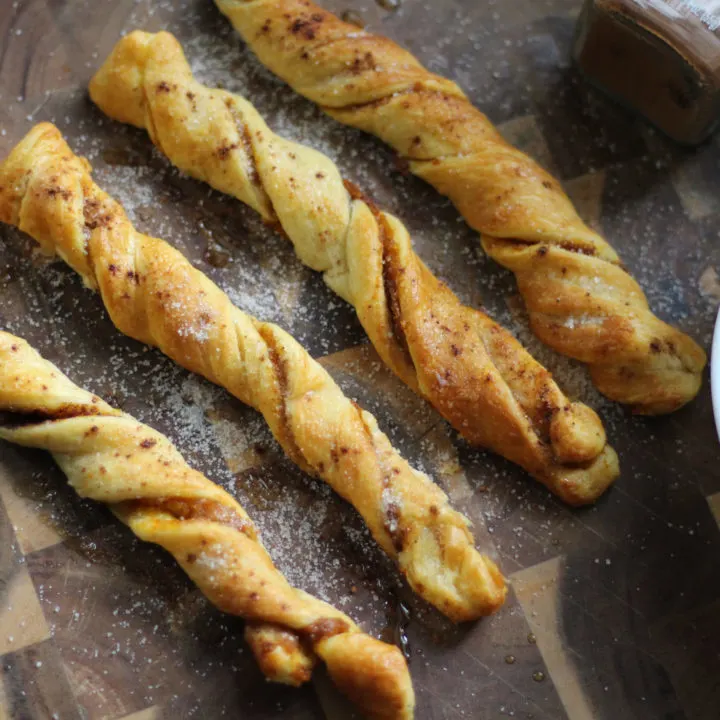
614, 609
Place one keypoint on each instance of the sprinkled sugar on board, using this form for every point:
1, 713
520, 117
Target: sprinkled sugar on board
99, 625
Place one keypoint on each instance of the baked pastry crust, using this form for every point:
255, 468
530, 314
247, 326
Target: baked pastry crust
154, 295
580, 299
110, 457
472, 370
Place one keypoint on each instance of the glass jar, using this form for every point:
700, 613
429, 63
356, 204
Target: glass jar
660, 58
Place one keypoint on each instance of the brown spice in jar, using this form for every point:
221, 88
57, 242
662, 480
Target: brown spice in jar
660, 58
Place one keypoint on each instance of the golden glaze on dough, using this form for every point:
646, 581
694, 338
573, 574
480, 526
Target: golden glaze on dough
110, 457
153, 294
473, 371
580, 299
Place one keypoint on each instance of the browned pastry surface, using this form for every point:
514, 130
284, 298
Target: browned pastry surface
580, 299
154, 295
473, 371
110, 457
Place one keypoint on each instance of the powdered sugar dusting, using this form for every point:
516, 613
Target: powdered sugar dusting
515, 69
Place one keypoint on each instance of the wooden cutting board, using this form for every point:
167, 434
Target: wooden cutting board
613, 611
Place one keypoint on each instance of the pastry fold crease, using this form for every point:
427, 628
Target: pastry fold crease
154, 295
580, 299
110, 457
466, 365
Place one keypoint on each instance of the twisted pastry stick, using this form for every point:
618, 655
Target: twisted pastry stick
154, 295
580, 299
110, 457
474, 372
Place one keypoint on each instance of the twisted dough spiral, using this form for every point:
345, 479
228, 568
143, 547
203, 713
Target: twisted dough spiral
110, 457
580, 299
474, 372
154, 295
